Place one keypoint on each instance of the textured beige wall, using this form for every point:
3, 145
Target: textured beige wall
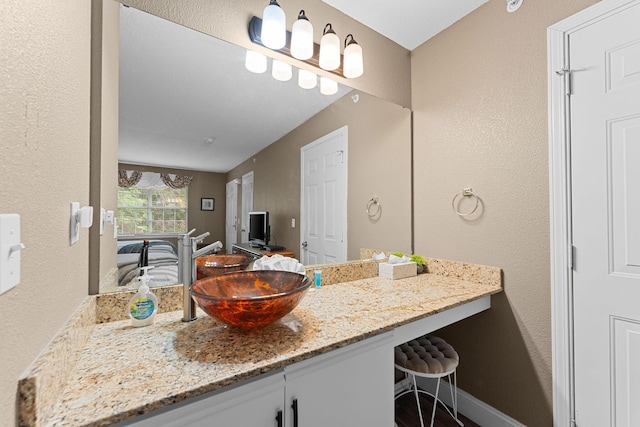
44, 157
479, 93
387, 65
379, 155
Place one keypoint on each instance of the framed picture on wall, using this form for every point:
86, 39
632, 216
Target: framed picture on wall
207, 204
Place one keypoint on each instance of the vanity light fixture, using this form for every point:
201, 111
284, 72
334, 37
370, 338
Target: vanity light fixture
302, 37
281, 71
306, 79
353, 63
274, 26
255, 62
328, 86
325, 55
329, 49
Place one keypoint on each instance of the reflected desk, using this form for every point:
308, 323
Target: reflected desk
246, 248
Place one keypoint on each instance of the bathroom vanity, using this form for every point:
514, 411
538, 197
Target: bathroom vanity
335, 350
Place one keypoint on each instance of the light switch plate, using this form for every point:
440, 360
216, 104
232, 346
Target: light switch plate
10, 248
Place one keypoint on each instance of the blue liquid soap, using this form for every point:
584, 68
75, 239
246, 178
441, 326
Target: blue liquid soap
317, 276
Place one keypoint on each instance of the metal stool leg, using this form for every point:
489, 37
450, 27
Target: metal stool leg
435, 403
415, 391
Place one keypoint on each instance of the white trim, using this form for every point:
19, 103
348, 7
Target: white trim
560, 203
469, 406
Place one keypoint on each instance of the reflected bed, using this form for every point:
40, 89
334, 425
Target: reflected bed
162, 256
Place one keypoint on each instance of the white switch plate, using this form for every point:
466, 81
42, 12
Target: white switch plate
10, 248
293, 223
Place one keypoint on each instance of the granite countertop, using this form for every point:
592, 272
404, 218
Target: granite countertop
121, 371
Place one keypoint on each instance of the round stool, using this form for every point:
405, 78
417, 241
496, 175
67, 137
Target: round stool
429, 357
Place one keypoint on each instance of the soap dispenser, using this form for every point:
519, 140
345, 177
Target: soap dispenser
143, 306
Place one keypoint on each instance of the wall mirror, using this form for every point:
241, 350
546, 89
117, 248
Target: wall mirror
189, 106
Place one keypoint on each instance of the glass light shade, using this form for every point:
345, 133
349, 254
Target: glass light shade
302, 38
281, 71
329, 49
353, 64
274, 31
306, 79
255, 62
328, 86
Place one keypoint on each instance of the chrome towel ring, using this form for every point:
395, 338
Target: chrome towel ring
455, 202
374, 207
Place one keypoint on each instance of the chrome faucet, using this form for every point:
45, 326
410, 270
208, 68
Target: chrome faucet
187, 255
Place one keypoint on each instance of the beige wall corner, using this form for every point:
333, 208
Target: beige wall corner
44, 153
479, 92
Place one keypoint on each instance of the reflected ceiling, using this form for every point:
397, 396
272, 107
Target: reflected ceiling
187, 101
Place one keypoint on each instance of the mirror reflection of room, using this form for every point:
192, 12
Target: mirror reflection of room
188, 107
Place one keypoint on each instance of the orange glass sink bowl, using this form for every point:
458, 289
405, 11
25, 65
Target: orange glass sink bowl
250, 299
214, 265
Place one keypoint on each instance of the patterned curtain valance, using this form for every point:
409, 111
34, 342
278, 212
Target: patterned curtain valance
178, 181
128, 179
151, 180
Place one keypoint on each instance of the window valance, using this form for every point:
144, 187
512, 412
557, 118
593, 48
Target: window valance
152, 180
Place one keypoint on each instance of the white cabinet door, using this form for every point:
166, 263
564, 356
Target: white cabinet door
348, 387
251, 404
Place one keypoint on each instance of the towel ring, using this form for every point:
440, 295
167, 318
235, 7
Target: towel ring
374, 202
467, 192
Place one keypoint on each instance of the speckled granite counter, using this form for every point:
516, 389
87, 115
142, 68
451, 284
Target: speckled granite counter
120, 371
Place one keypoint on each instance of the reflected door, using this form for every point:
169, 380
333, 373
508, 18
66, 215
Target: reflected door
323, 210
247, 205
605, 165
231, 222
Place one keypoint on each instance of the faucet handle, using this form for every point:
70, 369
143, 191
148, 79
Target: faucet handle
201, 237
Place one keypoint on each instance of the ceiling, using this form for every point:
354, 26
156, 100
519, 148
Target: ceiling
407, 22
188, 102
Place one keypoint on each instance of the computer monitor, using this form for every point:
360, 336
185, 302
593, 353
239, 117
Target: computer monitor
259, 229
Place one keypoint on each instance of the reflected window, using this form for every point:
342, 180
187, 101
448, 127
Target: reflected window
143, 211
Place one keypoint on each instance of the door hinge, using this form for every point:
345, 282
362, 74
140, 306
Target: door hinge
573, 422
572, 257
566, 73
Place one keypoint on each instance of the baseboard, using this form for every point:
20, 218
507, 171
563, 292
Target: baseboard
469, 406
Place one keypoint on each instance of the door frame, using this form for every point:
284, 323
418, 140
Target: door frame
560, 202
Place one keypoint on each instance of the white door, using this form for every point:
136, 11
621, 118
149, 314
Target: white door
247, 205
231, 223
605, 164
323, 210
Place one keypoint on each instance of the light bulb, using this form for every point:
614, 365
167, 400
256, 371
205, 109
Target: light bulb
255, 62
302, 38
328, 86
274, 31
281, 71
353, 64
329, 49
306, 79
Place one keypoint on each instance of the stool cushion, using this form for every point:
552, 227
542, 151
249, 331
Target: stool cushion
427, 355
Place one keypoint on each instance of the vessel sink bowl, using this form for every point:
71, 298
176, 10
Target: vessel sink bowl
250, 299
214, 265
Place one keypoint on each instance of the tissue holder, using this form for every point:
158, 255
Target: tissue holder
397, 271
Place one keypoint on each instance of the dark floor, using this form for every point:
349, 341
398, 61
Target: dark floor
407, 413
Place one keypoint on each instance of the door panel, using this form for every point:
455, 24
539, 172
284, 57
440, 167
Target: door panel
324, 199
605, 159
231, 222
